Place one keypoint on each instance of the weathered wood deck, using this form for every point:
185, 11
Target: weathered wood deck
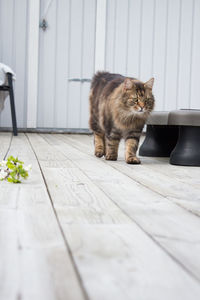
84, 228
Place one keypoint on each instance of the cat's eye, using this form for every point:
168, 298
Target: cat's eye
132, 101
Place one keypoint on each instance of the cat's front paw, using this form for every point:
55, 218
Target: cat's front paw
99, 153
133, 160
111, 157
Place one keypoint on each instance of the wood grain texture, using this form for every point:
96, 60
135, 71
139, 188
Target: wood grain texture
35, 263
76, 198
126, 240
114, 260
118, 262
178, 183
172, 226
5, 139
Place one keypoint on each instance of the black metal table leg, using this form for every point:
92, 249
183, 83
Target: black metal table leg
12, 104
187, 150
160, 140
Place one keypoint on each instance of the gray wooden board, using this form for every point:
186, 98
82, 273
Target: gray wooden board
119, 262
77, 199
35, 263
176, 229
5, 139
179, 184
144, 268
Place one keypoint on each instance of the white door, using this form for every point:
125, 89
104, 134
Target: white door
66, 62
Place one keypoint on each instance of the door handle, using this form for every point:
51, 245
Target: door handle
80, 80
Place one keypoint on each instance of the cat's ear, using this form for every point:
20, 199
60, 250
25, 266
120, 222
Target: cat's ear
149, 83
128, 84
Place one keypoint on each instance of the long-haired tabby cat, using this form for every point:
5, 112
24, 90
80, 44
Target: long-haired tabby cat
119, 107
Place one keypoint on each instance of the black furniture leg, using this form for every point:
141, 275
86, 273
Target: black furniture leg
12, 103
187, 150
160, 140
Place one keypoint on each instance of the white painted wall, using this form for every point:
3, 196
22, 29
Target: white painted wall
157, 38
13, 52
67, 50
32, 62
140, 38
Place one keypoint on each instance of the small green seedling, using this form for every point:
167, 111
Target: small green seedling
12, 170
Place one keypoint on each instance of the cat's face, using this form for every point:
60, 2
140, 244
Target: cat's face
137, 96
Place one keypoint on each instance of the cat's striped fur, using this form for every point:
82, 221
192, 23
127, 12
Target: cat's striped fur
119, 108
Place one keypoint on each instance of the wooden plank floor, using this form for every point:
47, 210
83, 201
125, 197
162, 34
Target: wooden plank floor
85, 228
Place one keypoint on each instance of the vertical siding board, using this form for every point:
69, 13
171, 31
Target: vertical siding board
7, 31
165, 54
88, 38
110, 35
195, 68
1, 33
1, 39
47, 69
87, 58
40, 104
13, 52
75, 63
146, 40
121, 37
100, 33
20, 60
7, 50
84, 117
133, 50
82, 51
185, 55
55, 64
61, 63
170, 98
140, 37
159, 51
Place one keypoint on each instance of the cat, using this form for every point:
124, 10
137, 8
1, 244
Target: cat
119, 108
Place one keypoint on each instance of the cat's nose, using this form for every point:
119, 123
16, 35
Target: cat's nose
140, 109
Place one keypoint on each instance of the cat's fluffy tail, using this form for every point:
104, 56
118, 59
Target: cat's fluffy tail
99, 76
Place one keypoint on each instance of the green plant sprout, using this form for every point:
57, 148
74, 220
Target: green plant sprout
12, 170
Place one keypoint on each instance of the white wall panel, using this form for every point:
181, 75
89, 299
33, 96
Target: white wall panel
66, 52
195, 58
172, 54
13, 48
75, 62
47, 67
159, 51
162, 41
144, 38
147, 39
88, 58
110, 34
184, 55
133, 42
62, 63
121, 35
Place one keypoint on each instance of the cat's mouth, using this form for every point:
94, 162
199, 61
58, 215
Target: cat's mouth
141, 113
139, 110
